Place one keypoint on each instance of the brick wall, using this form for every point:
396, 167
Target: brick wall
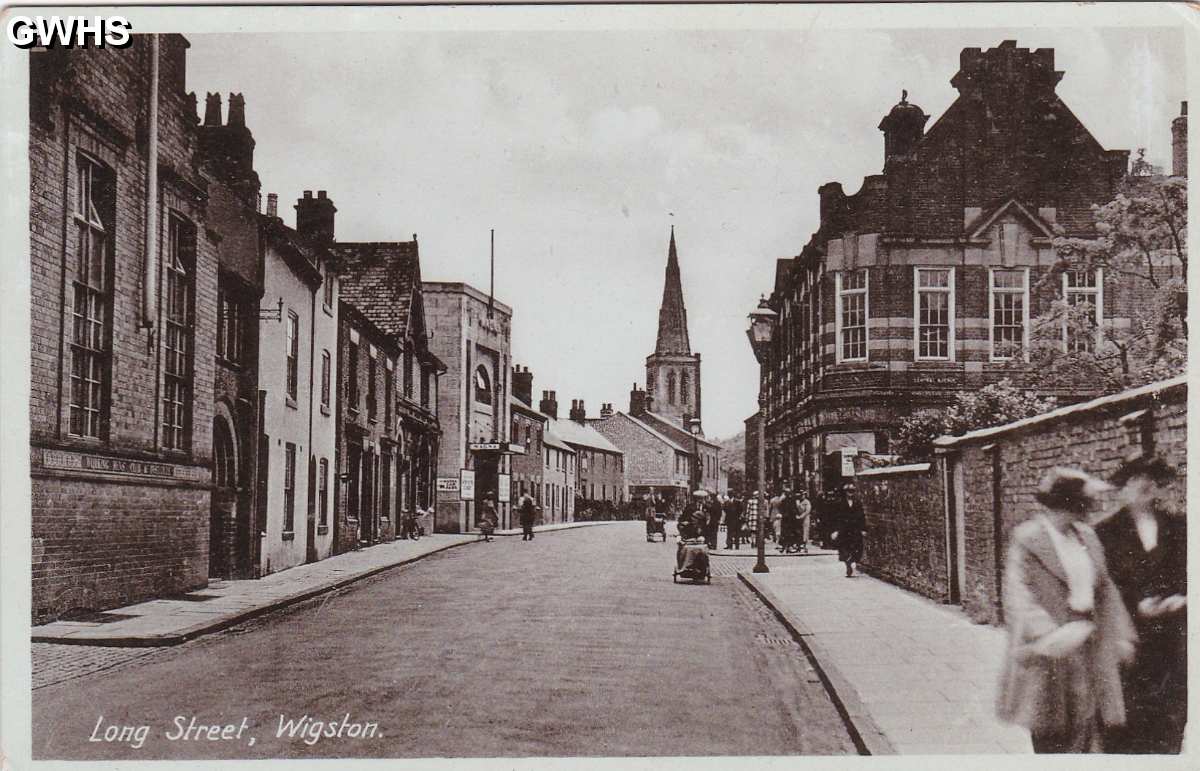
136, 538
1091, 436
101, 544
906, 529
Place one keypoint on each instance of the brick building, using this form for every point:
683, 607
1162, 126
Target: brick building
600, 473
471, 333
388, 450
925, 281
528, 430
123, 270
559, 467
227, 149
655, 465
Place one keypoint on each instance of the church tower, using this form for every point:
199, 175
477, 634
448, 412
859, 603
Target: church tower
673, 371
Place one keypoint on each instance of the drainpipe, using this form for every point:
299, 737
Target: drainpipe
149, 295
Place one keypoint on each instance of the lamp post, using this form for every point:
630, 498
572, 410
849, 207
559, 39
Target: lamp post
761, 332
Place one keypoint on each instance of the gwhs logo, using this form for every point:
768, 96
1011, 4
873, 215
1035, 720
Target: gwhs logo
69, 31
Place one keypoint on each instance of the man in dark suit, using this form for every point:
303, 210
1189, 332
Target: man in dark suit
1145, 545
851, 528
528, 510
733, 523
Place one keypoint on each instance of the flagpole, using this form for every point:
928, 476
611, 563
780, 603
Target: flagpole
492, 288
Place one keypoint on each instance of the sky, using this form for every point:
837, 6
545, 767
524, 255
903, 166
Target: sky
582, 148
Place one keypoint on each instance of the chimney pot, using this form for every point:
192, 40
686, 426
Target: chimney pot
321, 194
272, 205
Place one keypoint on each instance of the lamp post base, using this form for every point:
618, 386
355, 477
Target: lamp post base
761, 568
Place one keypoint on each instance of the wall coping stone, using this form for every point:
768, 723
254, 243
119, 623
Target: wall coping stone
911, 468
944, 443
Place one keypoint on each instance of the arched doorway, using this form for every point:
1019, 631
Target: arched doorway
223, 511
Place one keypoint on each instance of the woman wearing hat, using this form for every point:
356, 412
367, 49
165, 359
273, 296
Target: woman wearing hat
1145, 543
1068, 630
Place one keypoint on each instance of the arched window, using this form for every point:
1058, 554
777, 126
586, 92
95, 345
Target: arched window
671, 387
685, 387
224, 457
483, 385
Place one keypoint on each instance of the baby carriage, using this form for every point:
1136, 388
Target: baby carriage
656, 524
691, 561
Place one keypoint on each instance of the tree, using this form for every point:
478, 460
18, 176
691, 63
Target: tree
1141, 247
993, 405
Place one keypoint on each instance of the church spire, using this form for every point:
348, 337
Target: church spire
672, 316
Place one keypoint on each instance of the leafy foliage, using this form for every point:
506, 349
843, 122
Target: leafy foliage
992, 405
1141, 247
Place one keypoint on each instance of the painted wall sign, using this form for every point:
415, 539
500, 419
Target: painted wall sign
447, 485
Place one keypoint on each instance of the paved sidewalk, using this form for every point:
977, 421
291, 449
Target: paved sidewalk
225, 603
171, 621
914, 676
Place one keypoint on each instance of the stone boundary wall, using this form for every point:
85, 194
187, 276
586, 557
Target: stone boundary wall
906, 528
999, 470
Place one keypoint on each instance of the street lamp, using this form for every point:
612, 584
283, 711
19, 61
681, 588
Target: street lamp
761, 332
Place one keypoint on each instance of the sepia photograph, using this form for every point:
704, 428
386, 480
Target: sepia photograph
689, 385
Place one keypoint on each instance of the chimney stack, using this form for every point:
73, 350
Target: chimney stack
549, 404
639, 401
212, 109
237, 111
606, 411
522, 384
1179, 143
272, 205
229, 147
578, 412
314, 216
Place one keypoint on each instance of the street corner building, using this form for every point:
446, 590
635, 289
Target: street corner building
470, 332
662, 435
124, 284
925, 281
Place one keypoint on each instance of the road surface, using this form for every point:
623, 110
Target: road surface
577, 643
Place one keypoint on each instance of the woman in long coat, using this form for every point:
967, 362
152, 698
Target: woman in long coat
1068, 630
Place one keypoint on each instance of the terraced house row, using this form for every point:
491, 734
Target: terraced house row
926, 281
215, 393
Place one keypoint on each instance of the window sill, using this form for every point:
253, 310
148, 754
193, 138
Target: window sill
372, 419
322, 529
289, 535
290, 402
325, 410
229, 363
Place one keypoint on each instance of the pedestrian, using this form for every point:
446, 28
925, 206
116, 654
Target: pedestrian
1068, 630
528, 512
750, 518
787, 522
1145, 545
851, 528
712, 525
803, 518
487, 517
774, 515
733, 523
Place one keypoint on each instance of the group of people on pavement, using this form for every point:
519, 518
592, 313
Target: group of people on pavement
791, 516
488, 518
1097, 616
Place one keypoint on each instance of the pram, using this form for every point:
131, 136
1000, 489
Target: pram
691, 561
656, 524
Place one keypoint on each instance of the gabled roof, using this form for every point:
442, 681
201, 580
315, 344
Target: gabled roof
380, 279
983, 223
552, 439
667, 426
580, 436
660, 437
519, 405
301, 254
